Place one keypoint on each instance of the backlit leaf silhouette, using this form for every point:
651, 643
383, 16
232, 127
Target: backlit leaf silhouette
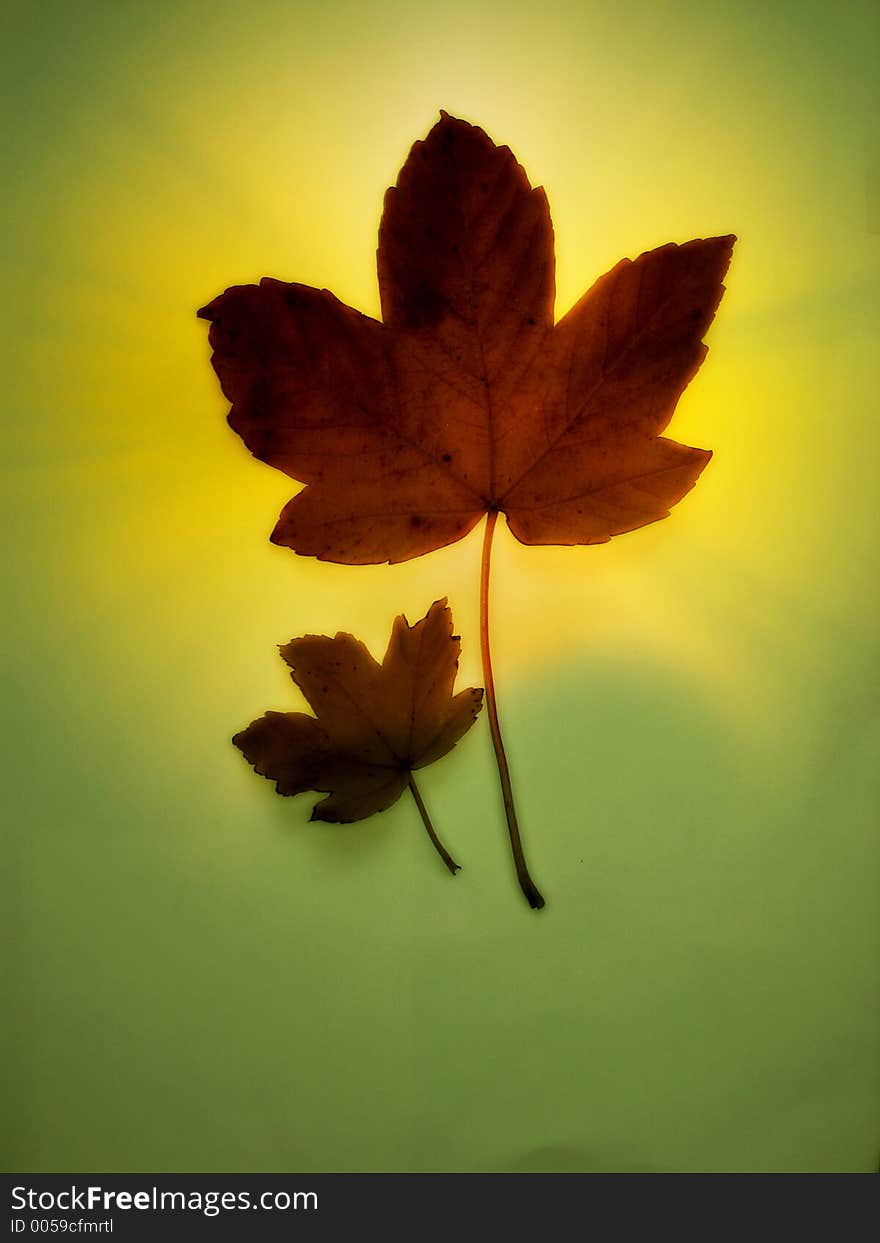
467, 399
374, 724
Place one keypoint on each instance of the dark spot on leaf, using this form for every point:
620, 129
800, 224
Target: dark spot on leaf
424, 306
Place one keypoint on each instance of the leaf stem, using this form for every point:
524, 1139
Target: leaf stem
526, 884
426, 820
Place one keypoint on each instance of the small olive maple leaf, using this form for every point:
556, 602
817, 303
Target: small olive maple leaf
468, 399
374, 724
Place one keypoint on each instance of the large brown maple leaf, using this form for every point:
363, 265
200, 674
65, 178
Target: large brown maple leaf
467, 398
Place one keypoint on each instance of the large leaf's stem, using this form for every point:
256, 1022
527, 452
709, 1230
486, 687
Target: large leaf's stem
526, 884
426, 820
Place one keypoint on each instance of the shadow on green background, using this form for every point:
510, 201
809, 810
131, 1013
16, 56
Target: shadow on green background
697, 995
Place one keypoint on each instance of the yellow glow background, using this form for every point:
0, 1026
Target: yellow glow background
719, 666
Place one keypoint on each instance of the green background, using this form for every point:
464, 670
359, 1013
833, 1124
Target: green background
197, 978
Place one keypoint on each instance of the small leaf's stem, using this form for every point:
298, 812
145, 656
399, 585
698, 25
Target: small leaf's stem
526, 884
426, 820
